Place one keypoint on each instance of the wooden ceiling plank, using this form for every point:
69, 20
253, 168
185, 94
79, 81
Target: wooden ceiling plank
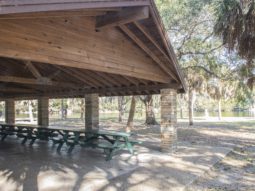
61, 54
129, 33
125, 16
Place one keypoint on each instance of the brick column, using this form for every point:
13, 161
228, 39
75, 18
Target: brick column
10, 111
168, 120
43, 111
91, 111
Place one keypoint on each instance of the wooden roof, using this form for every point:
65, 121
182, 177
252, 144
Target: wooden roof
67, 48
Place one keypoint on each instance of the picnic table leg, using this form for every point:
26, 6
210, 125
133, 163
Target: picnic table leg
112, 151
24, 140
33, 140
3, 137
75, 142
60, 145
64, 140
70, 149
129, 146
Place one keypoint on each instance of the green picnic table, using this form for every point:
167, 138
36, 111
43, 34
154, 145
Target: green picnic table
109, 141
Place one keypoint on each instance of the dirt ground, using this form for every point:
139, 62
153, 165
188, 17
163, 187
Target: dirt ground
237, 170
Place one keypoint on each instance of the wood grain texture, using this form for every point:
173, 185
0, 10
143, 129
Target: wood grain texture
75, 43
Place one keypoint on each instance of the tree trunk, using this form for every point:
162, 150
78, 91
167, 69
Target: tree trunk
121, 107
82, 109
62, 109
30, 111
219, 109
130, 122
206, 114
180, 103
191, 106
150, 116
181, 112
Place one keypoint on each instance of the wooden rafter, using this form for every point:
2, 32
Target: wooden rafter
131, 80
107, 78
33, 69
75, 75
125, 16
55, 74
86, 77
152, 40
94, 77
129, 33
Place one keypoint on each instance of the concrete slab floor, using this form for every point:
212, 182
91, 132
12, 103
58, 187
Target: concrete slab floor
41, 168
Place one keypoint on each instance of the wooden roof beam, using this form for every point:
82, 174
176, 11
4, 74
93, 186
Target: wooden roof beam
41, 81
13, 90
33, 69
130, 34
117, 90
127, 15
37, 74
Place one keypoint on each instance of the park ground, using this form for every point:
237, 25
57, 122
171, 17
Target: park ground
211, 155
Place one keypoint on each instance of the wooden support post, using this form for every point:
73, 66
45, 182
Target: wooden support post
43, 111
91, 111
10, 111
168, 120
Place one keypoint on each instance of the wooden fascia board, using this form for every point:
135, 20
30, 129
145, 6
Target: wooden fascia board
168, 46
29, 6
